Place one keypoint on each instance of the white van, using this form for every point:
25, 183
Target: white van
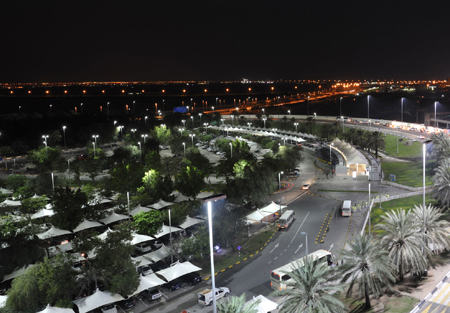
347, 208
286, 219
205, 296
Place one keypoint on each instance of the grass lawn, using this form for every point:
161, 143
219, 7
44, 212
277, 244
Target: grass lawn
409, 173
249, 247
403, 304
405, 203
404, 151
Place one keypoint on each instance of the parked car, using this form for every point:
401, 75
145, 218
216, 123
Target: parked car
157, 266
151, 294
157, 244
143, 247
191, 278
305, 187
128, 303
173, 285
218, 152
145, 270
110, 308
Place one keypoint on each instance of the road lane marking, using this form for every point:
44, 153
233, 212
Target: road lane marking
298, 248
300, 227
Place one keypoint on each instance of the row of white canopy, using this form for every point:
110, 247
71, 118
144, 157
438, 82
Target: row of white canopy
260, 214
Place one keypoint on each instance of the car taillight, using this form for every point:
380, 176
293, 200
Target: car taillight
285, 225
279, 225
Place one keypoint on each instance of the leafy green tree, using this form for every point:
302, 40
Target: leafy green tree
126, 177
228, 225
24, 287
399, 236
235, 304
198, 245
24, 192
70, 208
32, 205
190, 181
367, 266
148, 223
178, 213
119, 271
153, 160
47, 159
16, 181
310, 289
287, 158
56, 280
162, 133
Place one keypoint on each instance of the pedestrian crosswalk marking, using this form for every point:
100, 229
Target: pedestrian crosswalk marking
427, 309
443, 295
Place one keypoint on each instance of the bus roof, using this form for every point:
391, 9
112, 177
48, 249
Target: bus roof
286, 214
288, 267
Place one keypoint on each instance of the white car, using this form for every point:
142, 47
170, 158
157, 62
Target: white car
421, 137
145, 270
143, 247
305, 187
205, 296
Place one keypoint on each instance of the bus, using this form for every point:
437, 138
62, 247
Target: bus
286, 219
279, 277
347, 208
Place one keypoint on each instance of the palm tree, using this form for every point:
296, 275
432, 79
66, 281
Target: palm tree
368, 266
359, 137
401, 237
310, 290
440, 147
375, 141
435, 233
441, 183
309, 122
236, 304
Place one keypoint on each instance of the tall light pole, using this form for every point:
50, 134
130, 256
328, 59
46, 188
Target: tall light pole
402, 109
308, 106
423, 204
64, 132
206, 126
306, 240
184, 123
231, 154
211, 251
181, 131
145, 120
121, 133
223, 121
249, 125
368, 96
343, 122
93, 143
295, 124
279, 180
192, 137
192, 119
315, 120
81, 107
264, 120
184, 149
435, 121
107, 105
95, 138
134, 132
200, 118
331, 164
212, 108
289, 111
140, 152
340, 106
45, 142
144, 136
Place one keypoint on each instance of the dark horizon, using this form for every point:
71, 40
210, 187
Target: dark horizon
223, 41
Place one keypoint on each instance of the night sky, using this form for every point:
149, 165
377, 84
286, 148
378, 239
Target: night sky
54, 41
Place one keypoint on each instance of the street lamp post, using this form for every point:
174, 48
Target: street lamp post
144, 136
64, 132
343, 122
223, 121
206, 126
184, 123
231, 154
45, 142
279, 180
402, 108
95, 138
249, 125
93, 143
192, 137
368, 96
295, 124
435, 120
340, 106
145, 120
121, 133
289, 111
331, 164
212, 108
200, 118
264, 120
315, 120
140, 152
134, 132
306, 240
308, 107
184, 149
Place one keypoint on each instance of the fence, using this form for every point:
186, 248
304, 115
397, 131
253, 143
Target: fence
405, 187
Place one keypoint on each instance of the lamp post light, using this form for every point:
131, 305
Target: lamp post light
206, 126
93, 143
315, 120
232, 119
192, 137
145, 120
279, 180
144, 136
213, 107
249, 125
402, 108
295, 124
331, 164
95, 138
223, 121
81, 107
308, 107
184, 149
53, 182
289, 111
231, 154
192, 119
181, 131
107, 106
262, 110
200, 118
264, 120
184, 123
64, 132
45, 142
134, 132
121, 133
140, 152
343, 122
368, 96
306, 240
435, 120
340, 106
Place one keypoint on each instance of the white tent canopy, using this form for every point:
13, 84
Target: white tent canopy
178, 270
53, 232
52, 309
143, 260
258, 215
180, 198
190, 221
103, 235
149, 281
17, 273
6, 191
164, 230
160, 204
42, 213
140, 238
96, 300
11, 203
114, 217
3, 301
139, 209
265, 305
272, 208
85, 224
157, 255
